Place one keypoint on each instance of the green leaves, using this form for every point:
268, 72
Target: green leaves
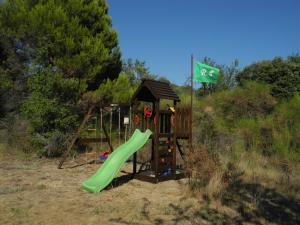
72, 49
282, 75
74, 36
52, 105
118, 91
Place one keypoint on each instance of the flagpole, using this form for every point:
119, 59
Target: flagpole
191, 114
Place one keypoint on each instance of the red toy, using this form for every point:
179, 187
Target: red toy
147, 111
104, 155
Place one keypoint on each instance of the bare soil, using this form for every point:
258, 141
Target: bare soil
34, 191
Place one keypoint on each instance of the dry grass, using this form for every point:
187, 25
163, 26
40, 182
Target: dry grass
275, 172
33, 191
216, 185
201, 167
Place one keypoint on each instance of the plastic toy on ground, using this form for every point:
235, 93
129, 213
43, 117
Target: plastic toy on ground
103, 155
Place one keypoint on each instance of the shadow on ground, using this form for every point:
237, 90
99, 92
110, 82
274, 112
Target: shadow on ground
119, 181
253, 203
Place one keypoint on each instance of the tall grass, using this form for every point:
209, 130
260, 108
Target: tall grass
251, 131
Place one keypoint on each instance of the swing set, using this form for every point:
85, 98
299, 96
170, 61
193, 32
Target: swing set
94, 121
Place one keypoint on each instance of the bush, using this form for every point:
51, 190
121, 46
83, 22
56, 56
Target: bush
282, 75
286, 122
228, 116
56, 145
252, 101
201, 166
207, 174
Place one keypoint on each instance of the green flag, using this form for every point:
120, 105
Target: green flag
205, 73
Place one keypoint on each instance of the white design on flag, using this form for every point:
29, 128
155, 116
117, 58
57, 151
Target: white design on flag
203, 72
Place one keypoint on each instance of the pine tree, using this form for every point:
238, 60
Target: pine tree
72, 48
283, 75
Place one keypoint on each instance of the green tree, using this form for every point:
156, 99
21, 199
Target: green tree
137, 70
72, 49
12, 79
118, 91
282, 75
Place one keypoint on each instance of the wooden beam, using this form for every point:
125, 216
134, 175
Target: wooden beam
174, 145
92, 140
108, 139
156, 139
134, 162
179, 149
191, 107
75, 136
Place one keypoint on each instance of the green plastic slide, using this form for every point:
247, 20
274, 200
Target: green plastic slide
114, 162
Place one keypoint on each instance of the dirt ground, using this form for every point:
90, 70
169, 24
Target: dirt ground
34, 191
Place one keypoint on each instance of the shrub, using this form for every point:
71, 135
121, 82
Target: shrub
231, 115
249, 102
201, 166
208, 174
16, 135
248, 131
282, 75
286, 122
56, 145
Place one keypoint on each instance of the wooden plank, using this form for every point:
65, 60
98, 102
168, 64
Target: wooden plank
146, 178
93, 140
165, 178
165, 135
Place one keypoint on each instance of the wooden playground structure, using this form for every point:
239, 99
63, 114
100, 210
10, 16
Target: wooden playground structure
102, 133
168, 127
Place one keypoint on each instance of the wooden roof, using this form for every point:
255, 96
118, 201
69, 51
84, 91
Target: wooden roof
152, 90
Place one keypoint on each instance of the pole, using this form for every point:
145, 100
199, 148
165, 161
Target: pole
130, 124
125, 132
191, 114
110, 125
101, 127
119, 125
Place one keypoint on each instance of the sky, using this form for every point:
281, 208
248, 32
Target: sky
164, 33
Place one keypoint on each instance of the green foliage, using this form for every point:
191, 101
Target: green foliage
286, 121
12, 85
282, 75
137, 70
251, 101
249, 119
71, 50
51, 106
119, 90
74, 37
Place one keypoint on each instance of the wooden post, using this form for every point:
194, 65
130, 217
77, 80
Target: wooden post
191, 112
174, 145
130, 120
134, 163
108, 139
119, 125
156, 140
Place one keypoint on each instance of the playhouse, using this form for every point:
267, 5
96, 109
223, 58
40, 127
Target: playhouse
168, 126
153, 115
